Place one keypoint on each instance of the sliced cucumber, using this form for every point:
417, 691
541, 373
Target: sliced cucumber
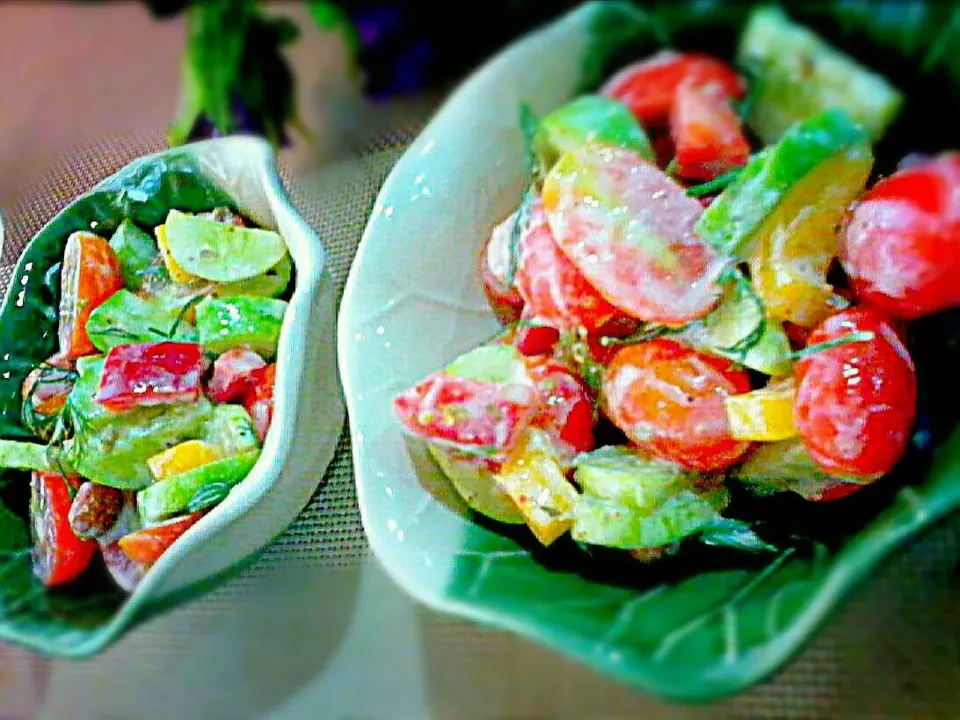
589, 119
625, 476
127, 318
798, 74
175, 494
221, 252
136, 251
784, 466
476, 485
241, 321
491, 363
733, 220
272, 283
231, 429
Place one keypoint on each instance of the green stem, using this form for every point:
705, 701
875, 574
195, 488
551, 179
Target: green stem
715, 185
854, 337
24, 455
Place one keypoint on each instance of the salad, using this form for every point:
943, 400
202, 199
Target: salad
160, 395
706, 290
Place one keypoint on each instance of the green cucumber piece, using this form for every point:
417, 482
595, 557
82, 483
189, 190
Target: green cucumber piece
127, 318
116, 452
231, 429
18, 455
739, 330
476, 485
798, 74
589, 119
221, 252
491, 363
175, 494
136, 251
786, 466
273, 283
625, 476
732, 220
680, 516
240, 321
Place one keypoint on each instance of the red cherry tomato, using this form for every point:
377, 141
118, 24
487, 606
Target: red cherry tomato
707, 134
505, 300
628, 228
565, 407
59, 556
481, 418
837, 492
231, 372
648, 87
156, 373
258, 397
532, 340
901, 243
554, 290
856, 403
668, 399
145, 546
663, 148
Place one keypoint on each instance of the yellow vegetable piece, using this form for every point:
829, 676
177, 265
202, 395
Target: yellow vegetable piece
533, 478
763, 415
795, 245
182, 458
476, 485
177, 273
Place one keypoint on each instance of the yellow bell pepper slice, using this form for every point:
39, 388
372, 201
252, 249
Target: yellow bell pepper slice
177, 273
764, 415
182, 458
533, 478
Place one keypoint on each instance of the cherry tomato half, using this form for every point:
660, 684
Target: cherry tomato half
505, 300
59, 556
901, 244
91, 273
231, 372
565, 407
707, 134
668, 399
648, 87
856, 403
145, 546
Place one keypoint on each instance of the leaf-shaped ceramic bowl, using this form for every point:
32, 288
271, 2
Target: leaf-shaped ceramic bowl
413, 302
308, 413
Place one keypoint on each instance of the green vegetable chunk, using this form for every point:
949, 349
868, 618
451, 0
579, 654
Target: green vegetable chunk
272, 283
221, 252
241, 321
589, 119
731, 222
128, 318
231, 428
786, 466
476, 485
136, 251
491, 363
626, 476
174, 494
798, 75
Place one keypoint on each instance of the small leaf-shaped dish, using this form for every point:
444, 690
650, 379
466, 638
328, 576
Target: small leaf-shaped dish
308, 413
414, 302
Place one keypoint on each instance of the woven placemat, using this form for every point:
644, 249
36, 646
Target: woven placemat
892, 651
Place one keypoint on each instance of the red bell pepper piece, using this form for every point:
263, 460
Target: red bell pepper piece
156, 373
258, 399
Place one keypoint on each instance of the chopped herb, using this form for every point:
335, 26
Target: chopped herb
854, 337
715, 185
520, 222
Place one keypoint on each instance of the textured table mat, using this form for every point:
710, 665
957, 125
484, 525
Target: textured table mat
315, 630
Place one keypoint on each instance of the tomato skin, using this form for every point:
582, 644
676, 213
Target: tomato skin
649, 87
668, 399
707, 134
479, 418
536, 340
145, 546
504, 299
91, 274
553, 289
629, 229
837, 492
902, 244
258, 397
59, 556
155, 373
565, 407
231, 372
856, 404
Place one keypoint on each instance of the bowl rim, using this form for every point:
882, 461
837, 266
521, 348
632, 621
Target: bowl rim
277, 446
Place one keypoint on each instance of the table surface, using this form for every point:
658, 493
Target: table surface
315, 629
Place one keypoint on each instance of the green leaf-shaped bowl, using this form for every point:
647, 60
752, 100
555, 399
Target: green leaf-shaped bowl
308, 413
414, 301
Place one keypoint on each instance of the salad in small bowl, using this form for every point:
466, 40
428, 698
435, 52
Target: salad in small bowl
687, 324
166, 340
